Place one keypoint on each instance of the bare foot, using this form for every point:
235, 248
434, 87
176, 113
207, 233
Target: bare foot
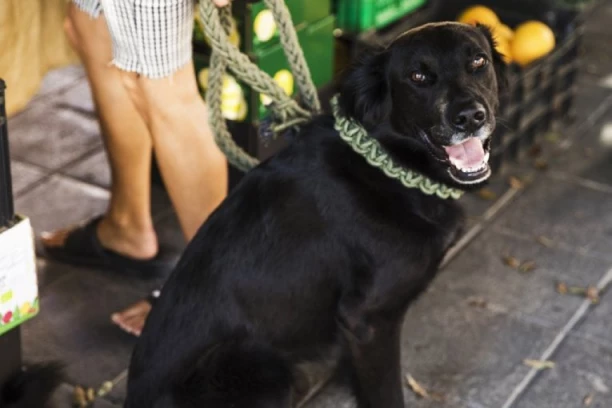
133, 318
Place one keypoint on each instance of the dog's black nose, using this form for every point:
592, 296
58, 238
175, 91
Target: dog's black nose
470, 118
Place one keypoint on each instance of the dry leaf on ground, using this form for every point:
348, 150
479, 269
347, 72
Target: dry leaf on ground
416, 387
562, 288
588, 400
592, 293
516, 183
511, 261
486, 194
535, 150
540, 164
476, 301
527, 266
539, 364
553, 137
421, 392
545, 241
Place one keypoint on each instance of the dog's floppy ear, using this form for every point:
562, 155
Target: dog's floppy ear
498, 59
364, 93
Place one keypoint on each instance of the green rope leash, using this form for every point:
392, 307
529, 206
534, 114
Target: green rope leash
371, 150
286, 111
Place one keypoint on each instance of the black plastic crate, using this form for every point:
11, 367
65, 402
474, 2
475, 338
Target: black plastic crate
541, 95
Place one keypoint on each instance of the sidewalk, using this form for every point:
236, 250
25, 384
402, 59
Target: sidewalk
465, 340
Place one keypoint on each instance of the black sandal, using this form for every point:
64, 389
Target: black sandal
83, 248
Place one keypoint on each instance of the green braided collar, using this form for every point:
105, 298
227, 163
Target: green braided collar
359, 140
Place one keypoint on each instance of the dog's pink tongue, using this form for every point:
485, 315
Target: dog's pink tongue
470, 153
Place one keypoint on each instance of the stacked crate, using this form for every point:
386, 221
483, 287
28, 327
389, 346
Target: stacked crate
356, 16
256, 34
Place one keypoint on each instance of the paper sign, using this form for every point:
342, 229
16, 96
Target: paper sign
18, 280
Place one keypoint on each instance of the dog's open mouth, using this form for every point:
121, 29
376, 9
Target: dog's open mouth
469, 160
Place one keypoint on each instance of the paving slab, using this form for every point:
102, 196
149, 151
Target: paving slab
582, 370
52, 137
480, 274
59, 79
24, 176
92, 169
61, 202
566, 213
74, 326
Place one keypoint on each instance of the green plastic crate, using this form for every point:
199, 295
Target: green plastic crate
317, 42
256, 27
362, 15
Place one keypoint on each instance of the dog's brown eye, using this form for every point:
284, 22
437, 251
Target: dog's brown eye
418, 77
479, 62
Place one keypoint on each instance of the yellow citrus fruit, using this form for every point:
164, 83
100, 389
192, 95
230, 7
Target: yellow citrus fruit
265, 99
285, 79
479, 14
503, 32
203, 78
264, 25
532, 40
231, 89
503, 47
232, 108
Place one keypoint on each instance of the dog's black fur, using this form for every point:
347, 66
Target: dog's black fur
317, 254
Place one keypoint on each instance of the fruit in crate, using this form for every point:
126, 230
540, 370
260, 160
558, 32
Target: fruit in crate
532, 40
525, 44
233, 101
479, 14
284, 79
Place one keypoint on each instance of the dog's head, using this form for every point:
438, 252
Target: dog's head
431, 98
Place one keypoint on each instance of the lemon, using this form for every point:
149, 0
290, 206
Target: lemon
479, 14
265, 99
234, 109
503, 32
532, 40
503, 47
231, 89
264, 25
284, 79
203, 78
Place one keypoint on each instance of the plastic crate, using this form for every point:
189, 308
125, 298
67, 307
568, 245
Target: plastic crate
317, 42
362, 15
540, 96
256, 28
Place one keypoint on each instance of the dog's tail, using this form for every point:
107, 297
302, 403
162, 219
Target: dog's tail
31, 386
237, 374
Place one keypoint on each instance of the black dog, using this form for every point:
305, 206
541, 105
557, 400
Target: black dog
316, 255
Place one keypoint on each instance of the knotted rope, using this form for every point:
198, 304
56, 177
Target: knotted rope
286, 112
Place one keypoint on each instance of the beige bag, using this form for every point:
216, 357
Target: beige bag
32, 41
